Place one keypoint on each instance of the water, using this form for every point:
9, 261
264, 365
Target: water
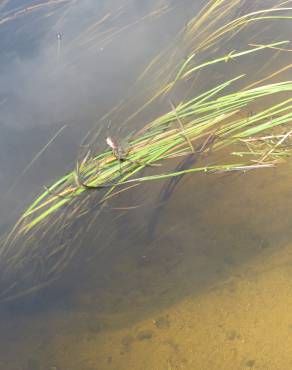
210, 290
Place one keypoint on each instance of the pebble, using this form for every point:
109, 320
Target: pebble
145, 335
250, 363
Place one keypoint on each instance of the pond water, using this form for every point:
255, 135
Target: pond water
207, 284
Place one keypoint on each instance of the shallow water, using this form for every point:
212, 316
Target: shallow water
210, 291
214, 290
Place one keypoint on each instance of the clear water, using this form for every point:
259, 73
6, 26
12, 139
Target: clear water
207, 287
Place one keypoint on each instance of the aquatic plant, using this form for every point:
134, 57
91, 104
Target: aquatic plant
196, 121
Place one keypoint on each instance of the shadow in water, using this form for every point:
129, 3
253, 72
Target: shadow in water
210, 230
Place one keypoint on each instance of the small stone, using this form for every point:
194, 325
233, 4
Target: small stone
250, 363
143, 260
232, 335
145, 335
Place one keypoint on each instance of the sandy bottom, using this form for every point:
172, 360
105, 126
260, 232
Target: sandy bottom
243, 322
213, 293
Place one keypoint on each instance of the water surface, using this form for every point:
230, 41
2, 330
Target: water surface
207, 288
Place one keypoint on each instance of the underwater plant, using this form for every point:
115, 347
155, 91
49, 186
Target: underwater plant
196, 119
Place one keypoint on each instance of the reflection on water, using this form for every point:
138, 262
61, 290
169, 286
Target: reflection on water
210, 290
47, 82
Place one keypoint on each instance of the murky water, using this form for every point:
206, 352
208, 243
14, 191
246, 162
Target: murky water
208, 286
